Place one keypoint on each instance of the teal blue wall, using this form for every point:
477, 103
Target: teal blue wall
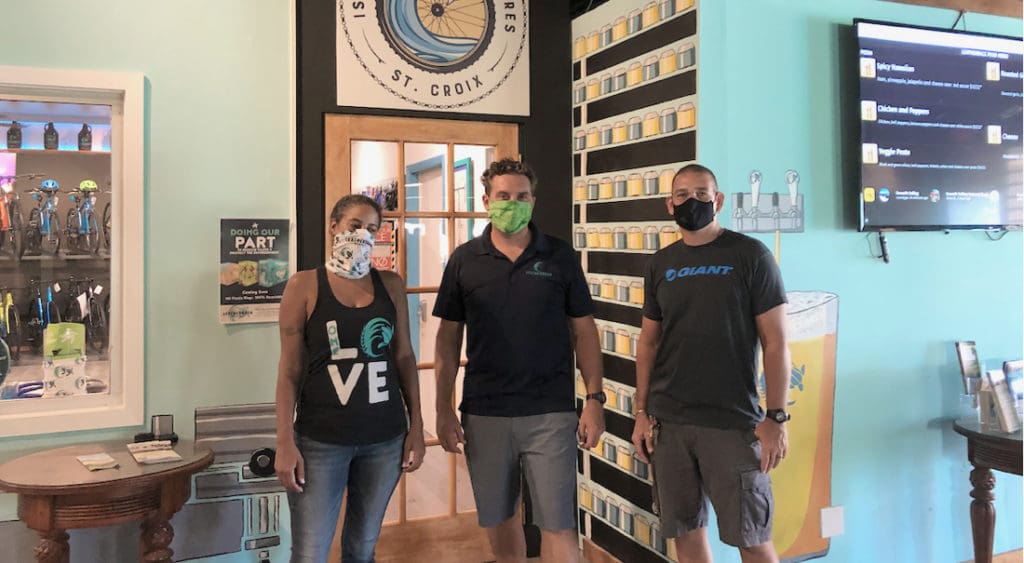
217, 145
770, 100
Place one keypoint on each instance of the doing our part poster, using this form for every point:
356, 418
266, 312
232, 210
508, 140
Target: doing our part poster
253, 269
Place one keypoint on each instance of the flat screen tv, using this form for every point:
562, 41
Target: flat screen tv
941, 125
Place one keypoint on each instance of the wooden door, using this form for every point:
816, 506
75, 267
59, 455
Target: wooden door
425, 173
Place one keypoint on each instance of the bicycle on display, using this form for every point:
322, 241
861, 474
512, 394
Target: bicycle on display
41, 314
12, 222
85, 308
108, 218
106, 226
83, 228
10, 324
42, 234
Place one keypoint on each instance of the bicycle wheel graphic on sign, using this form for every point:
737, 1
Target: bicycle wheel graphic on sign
438, 36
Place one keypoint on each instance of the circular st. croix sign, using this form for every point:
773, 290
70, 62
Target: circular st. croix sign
436, 54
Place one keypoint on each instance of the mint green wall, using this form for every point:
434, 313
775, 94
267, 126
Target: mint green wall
770, 100
217, 145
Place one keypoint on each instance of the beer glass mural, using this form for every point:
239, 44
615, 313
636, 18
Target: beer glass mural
802, 485
634, 125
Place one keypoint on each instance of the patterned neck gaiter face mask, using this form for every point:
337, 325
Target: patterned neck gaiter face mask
350, 256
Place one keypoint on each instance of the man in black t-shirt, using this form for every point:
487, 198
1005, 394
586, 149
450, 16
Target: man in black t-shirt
523, 301
710, 299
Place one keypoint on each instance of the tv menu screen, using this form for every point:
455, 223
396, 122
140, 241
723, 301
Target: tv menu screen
941, 119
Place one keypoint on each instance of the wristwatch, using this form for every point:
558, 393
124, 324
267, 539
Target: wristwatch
778, 415
600, 397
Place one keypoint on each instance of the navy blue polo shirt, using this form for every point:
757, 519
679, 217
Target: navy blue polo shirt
518, 343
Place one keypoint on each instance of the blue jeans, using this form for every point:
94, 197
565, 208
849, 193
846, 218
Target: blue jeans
369, 472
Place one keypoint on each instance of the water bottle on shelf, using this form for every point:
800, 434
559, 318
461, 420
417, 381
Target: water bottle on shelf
50, 137
85, 138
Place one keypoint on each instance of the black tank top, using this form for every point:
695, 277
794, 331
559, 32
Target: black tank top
350, 393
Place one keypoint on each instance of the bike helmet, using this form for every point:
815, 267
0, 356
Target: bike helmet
88, 186
49, 185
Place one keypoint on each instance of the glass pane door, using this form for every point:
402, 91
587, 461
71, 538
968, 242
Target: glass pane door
425, 173
431, 196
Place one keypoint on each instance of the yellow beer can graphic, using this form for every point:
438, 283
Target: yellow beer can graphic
667, 236
579, 47
579, 191
619, 132
650, 16
634, 239
634, 184
636, 291
634, 74
686, 116
667, 62
802, 484
622, 347
665, 181
619, 29
624, 457
586, 497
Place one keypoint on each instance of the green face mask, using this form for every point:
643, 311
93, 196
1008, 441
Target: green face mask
510, 217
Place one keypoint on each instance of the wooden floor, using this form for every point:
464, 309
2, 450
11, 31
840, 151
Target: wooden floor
1008, 557
436, 541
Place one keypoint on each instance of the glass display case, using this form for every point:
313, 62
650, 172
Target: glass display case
71, 186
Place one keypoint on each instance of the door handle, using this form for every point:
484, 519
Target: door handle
423, 311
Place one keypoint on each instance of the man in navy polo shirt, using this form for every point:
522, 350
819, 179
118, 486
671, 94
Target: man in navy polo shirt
523, 300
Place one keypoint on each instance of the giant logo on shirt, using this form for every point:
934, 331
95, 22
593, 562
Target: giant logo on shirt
673, 274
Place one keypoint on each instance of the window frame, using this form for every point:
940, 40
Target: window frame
124, 404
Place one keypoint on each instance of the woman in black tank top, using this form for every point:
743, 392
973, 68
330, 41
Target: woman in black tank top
348, 408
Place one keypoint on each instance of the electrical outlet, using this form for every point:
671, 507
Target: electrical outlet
832, 521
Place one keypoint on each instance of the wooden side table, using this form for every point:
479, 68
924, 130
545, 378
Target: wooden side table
57, 493
987, 450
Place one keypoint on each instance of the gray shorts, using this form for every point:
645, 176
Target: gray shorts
692, 464
499, 450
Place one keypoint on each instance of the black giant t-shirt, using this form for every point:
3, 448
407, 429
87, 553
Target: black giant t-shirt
706, 298
517, 323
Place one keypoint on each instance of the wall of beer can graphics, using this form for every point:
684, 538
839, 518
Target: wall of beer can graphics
634, 125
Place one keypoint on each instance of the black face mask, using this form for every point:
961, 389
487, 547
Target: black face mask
693, 214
